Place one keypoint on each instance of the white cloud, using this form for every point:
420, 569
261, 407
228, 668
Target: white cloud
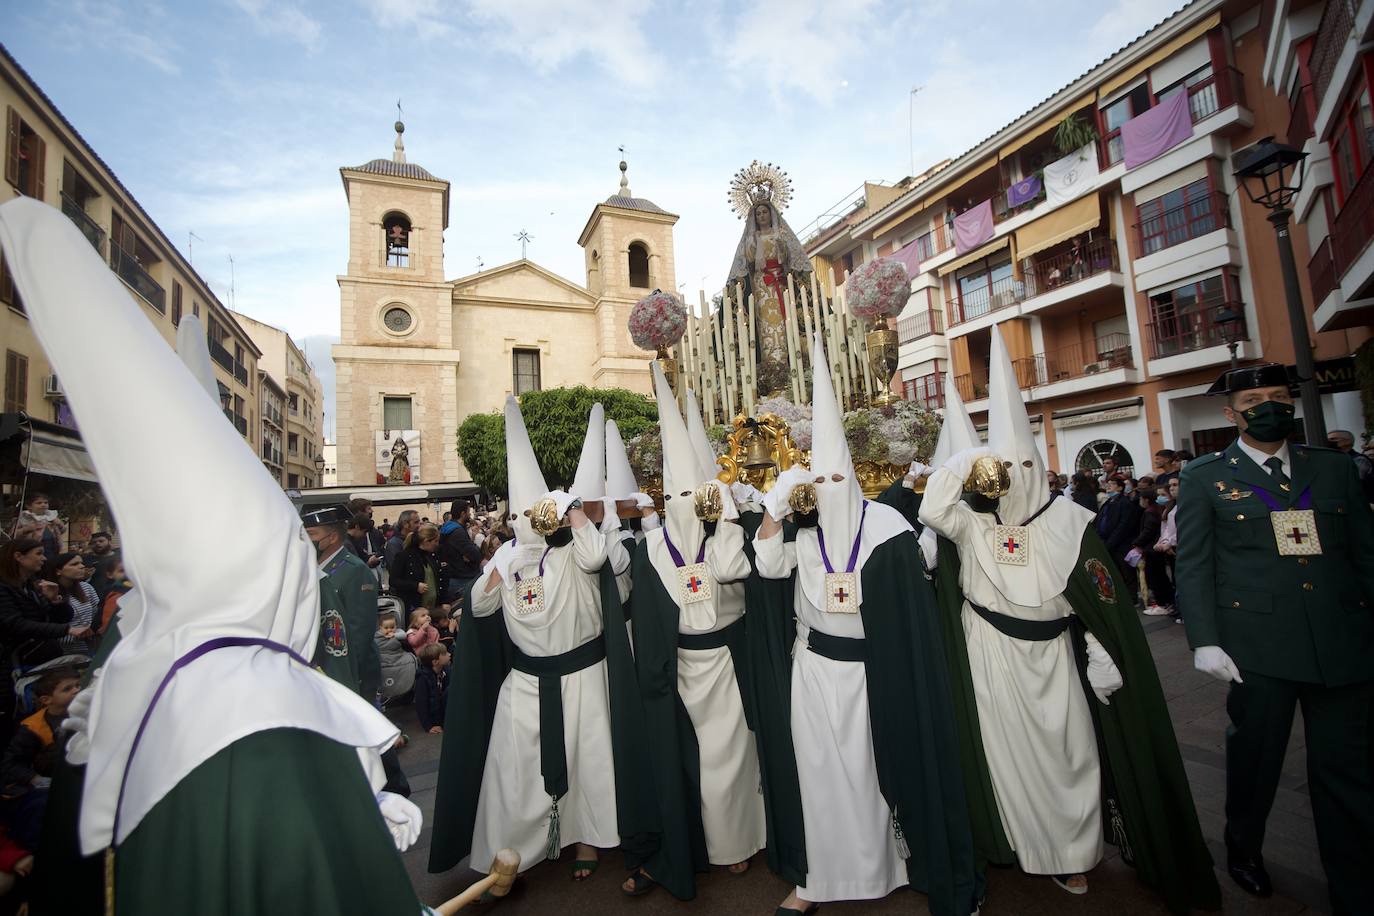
548, 34
108, 26
1127, 20
283, 20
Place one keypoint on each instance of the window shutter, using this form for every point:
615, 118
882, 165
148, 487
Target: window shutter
12, 146
40, 156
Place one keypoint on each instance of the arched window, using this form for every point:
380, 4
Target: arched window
396, 237
1092, 456
639, 265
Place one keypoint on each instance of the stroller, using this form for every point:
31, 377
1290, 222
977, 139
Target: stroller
398, 662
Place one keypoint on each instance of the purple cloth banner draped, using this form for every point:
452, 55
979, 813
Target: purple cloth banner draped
1023, 191
1149, 135
909, 258
973, 227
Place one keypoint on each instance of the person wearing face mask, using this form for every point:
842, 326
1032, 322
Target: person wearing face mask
543, 726
870, 712
1071, 739
1275, 572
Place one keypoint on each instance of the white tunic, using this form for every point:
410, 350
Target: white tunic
851, 853
731, 800
1036, 726
513, 809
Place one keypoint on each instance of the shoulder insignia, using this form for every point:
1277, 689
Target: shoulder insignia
1235, 461
367, 588
1102, 580
1221, 486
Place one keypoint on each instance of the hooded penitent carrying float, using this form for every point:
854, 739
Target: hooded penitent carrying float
690, 650
208, 696
1049, 770
868, 694
542, 671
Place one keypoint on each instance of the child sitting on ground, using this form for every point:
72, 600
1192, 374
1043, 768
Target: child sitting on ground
398, 665
32, 756
421, 632
447, 626
431, 688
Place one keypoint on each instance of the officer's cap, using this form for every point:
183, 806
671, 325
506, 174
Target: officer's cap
1265, 375
327, 515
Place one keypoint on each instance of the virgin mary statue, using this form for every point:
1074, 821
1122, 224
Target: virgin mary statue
768, 253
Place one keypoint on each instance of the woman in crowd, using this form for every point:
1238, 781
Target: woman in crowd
1167, 545
33, 617
419, 576
69, 572
1156, 569
1085, 490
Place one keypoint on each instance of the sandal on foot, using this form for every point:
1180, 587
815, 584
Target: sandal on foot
739, 868
1063, 881
788, 911
587, 865
642, 884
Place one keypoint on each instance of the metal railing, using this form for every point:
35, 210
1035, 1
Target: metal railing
1335, 27
1001, 211
241, 373
968, 389
89, 228
1189, 220
1321, 272
1048, 272
1221, 90
221, 355
921, 325
1186, 332
271, 455
984, 300
1111, 351
1300, 127
927, 390
1353, 227
241, 424
126, 266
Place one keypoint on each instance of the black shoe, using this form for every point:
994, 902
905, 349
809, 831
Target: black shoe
1251, 876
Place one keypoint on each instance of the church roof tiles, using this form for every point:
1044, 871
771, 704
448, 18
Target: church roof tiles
634, 203
396, 170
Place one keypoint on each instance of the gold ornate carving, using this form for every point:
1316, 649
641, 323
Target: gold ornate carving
757, 450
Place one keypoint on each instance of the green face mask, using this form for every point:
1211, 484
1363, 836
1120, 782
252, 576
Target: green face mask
1269, 422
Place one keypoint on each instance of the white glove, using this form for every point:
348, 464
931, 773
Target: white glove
961, 463
745, 493
562, 500
1103, 675
649, 523
1213, 660
77, 723
916, 472
642, 500
776, 499
402, 818
729, 512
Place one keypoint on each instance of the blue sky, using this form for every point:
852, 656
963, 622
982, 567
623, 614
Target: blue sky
230, 118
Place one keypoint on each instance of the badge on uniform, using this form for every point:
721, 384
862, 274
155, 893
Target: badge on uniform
840, 593
529, 596
334, 633
1012, 543
693, 583
1295, 532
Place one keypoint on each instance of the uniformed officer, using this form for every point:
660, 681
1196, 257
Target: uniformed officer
356, 585
1276, 572
333, 654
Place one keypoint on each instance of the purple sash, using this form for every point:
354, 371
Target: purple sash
1272, 501
853, 553
673, 551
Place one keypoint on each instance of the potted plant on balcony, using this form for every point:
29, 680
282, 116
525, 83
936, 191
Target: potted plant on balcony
1073, 133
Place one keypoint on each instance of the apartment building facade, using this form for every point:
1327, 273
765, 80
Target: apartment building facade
1122, 274
48, 160
298, 436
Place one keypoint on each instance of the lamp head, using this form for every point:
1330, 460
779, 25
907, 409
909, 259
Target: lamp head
1271, 172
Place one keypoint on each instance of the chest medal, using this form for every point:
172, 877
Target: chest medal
529, 596
840, 595
693, 583
1295, 532
1012, 544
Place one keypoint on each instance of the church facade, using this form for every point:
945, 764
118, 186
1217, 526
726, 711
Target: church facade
419, 353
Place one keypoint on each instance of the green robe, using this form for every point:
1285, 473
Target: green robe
1149, 813
282, 821
482, 654
335, 647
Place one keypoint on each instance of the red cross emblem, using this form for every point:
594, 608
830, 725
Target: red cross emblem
1012, 546
841, 595
529, 596
1296, 535
694, 584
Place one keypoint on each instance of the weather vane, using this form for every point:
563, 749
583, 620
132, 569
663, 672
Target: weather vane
480, 265
525, 239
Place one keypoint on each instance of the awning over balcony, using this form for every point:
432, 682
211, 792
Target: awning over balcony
46, 448
977, 254
1161, 54
1053, 228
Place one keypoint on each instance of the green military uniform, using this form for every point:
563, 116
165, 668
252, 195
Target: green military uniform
358, 587
1291, 600
332, 649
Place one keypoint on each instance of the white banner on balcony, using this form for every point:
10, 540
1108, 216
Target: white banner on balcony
398, 456
1071, 177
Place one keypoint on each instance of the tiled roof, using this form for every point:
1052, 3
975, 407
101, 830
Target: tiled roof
395, 169
634, 203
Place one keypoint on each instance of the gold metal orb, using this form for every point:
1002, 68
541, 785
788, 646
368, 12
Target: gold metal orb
989, 478
802, 499
706, 502
544, 516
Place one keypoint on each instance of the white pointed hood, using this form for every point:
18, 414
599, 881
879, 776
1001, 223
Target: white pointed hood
589, 482
681, 472
620, 477
1011, 439
524, 481
701, 443
957, 433
259, 584
839, 503
192, 348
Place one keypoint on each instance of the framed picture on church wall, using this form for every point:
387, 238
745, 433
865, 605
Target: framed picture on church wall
398, 456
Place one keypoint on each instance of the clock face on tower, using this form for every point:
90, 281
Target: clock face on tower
397, 320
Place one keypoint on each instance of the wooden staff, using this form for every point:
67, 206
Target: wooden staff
503, 870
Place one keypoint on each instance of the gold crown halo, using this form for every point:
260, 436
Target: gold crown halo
757, 183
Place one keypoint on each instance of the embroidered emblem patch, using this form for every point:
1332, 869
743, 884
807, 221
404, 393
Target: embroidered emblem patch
1295, 532
334, 634
693, 583
840, 597
1102, 579
529, 596
1012, 544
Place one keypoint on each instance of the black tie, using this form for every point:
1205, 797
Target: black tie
1275, 466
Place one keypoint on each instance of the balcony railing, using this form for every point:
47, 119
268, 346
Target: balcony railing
1049, 272
927, 390
1300, 127
1186, 332
1219, 91
126, 266
984, 300
933, 242
1000, 210
221, 355
1353, 227
1337, 22
89, 228
241, 373
271, 455
968, 389
1112, 351
241, 424
917, 326
1189, 220
1321, 271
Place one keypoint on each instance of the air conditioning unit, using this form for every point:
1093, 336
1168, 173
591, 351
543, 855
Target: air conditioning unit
52, 388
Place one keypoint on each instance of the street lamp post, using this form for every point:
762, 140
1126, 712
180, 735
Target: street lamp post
319, 470
1272, 174
1230, 318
